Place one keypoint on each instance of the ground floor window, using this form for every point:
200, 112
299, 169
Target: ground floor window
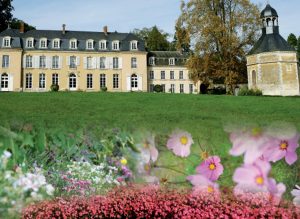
172, 88
181, 88
89, 81
42, 81
4, 81
134, 81
102, 80
28, 82
72, 81
191, 88
115, 81
151, 88
55, 79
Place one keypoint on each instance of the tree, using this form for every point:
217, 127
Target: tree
182, 37
222, 32
298, 48
5, 13
292, 40
15, 24
155, 39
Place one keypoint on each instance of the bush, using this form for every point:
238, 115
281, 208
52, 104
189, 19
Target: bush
54, 87
252, 92
103, 89
217, 91
158, 88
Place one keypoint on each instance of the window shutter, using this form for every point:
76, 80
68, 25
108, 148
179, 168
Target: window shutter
10, 82
60, 62
77, 60
98, 63
94, 60
120, 63
49, 61
36, 61
107, 63
140, 83
128, 83
85, 62
68, 60
24, 62
1, 59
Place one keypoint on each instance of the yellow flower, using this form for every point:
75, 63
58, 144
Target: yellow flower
123, 161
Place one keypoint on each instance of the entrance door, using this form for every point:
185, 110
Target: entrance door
72, 82
134, 82
4, 82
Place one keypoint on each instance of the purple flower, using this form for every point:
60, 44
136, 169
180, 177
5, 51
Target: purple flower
180, 143
203, 184
276, 191
211, 168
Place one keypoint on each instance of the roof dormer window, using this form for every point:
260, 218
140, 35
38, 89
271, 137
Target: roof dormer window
43, 43
29, 43
6, 42
152, 61
73, 44
133, 45
90, 44
56, 43
102, 45
115, 45
171, 61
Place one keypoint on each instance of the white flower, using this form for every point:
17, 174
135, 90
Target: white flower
49, 189
6, 154
296, 194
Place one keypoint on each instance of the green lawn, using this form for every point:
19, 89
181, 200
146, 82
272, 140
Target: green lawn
203, 116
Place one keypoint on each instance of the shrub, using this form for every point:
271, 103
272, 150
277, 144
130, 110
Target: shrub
252, 92
103, 89
54, 87
158, 88
217, 91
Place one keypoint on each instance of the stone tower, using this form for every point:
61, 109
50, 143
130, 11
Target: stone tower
272, 63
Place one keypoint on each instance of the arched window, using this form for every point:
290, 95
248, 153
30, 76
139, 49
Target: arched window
72, 81
254, 79
134, 81
4, 81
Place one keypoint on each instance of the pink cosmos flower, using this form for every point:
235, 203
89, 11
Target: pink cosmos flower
211, 168
253, 177
276, 191
283, 147
149, 151
180, 143
296, 194
203, 184
251, 143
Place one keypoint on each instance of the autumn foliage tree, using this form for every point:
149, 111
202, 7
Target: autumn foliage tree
222, 32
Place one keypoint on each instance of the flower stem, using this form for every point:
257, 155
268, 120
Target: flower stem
170, 168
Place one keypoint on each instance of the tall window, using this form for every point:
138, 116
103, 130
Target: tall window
73, 62
162, 75
254, 79
89, 62
115, 81
181, 75
171, 74
42, 81
181, 88
43, 43
115, 62
55, 62
4, 81
133, 45
28, 62
102, 45
56, 44
171, 61
102, 80
89, 81
29, 43
133, 62
152, 61
151, 75
115, 45
191, 88
134, 81
90, 44
5, 61
28, 81
6, 42
42, 61
55, 79
172, 88
72, 81
102, 62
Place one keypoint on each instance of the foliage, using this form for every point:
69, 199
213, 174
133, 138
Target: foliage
15, 24
5, 13
292, 40
217, 91
252, 92
298, 48
54, 87
103, 89
182, 38
231, 28
158, 88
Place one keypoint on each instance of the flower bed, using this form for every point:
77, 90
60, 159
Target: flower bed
155, 202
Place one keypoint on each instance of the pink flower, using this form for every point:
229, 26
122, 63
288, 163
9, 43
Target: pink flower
296, 194
180, 143
203, 184
251, 143
283, 147
253, 177
276, 191
211, 168
149, 151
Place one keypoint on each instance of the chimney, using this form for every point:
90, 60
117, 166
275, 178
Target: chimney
63, 29
22, 27
105, 30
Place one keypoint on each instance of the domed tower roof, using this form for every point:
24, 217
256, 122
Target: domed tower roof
268, 12
271, 40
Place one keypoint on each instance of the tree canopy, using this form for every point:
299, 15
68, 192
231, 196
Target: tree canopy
15, 24
292, 40
222, 32
5, 13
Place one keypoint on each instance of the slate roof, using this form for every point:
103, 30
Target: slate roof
268, 12
19, 39
162, 58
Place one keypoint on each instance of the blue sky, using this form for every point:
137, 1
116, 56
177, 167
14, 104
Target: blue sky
125, 15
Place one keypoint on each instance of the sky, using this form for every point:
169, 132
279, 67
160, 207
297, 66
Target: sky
126, 15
